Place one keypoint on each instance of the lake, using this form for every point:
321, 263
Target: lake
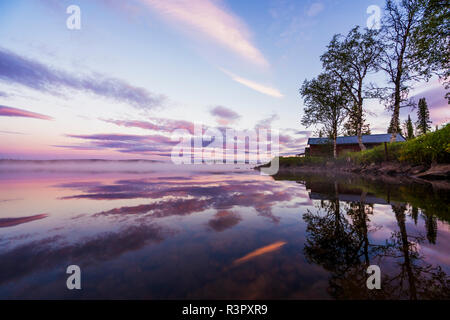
149, 231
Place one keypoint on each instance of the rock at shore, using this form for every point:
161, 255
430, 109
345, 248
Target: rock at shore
436, 172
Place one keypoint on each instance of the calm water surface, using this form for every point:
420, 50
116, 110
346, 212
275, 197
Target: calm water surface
167, 233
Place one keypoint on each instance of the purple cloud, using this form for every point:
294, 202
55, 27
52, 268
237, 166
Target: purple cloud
54, 251
266, 123
11, 222
224, 220
33, 74
437, 104
109, 137
125, 138
156, 124
224, 115
126, 143
15, 112
260, 195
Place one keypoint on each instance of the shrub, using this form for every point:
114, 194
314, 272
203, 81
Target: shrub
434, 147
300, 161
376, 154
429, 148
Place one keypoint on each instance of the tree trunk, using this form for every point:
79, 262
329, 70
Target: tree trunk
400, 216
362, 147
337, 210
335, 147
397, 97
395, 118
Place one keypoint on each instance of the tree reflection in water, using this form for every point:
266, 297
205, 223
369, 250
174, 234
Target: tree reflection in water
338, 240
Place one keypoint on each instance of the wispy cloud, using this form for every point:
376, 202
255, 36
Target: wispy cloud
315, 9
266, 123
258, 252
224, 115
110, 137
211, 19
126, 143
10, 132
155, 124
11, 222
15, 112
15, 69
273, 92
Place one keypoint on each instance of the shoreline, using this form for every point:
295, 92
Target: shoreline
391, 172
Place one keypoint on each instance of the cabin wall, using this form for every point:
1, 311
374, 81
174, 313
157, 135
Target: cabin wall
344, 148
327, 150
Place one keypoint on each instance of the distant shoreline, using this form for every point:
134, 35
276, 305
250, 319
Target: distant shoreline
80, 160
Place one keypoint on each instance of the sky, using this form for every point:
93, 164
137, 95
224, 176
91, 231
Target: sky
136, 71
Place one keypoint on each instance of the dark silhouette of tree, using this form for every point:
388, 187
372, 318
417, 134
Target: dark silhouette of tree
331, 242
406, 249
400, 21
396, 123
325, 104
431, 41
320, 133
414, 214
342, 247
338, 239
351, 126
352, 58
430, 226
360, 213
409, 129
416, 279
423, 117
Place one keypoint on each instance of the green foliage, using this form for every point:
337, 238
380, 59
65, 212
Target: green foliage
426, 149
352, 58
409, 129
351, 126
431, 41
394, 125
376, 154
423, 117
397, 60
325, 103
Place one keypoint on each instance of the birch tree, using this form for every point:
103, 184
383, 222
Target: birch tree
326, 104
398, 59
351, 59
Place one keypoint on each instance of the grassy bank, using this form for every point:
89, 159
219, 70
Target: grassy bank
433, 147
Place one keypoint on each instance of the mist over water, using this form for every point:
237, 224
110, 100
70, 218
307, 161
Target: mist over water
110, 166
153, 230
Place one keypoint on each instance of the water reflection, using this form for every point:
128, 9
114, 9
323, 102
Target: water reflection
228, 235
10, 222
338, 240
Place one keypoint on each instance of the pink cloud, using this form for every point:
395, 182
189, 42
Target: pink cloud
212, 20
264, 89
15, 112
434, 93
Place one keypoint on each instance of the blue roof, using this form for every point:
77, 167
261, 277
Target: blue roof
367, 139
